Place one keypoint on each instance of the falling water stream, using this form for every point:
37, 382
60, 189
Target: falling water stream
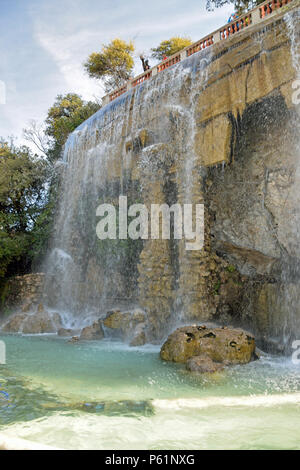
106, 395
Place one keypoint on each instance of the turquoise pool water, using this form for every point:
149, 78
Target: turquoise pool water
105, 395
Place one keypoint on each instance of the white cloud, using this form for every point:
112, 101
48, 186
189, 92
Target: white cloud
68, 57
59, 35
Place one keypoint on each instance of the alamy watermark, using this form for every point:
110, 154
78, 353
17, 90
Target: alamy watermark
296, 94
296, 353
156, 223
2, 353
2, 92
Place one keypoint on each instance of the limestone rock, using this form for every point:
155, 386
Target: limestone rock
74, 339
14, 324
115, 319
227, 346
125, 323
93, 332
27, 307
203, 364
139, 335
66, 332
41, 322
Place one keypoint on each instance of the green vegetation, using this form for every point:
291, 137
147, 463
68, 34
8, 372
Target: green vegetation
231, 268
67, 113
114, 63
29, 185
22, 199
217, 287
170, 47
240, 6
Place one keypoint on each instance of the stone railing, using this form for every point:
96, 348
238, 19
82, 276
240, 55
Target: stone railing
253, 17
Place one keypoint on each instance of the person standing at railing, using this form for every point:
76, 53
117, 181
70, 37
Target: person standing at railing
145, 63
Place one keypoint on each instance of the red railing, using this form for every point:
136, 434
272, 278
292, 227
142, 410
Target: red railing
117, 93
236, 26
256, 15
168, 63
198, 46
271, 6
141, 79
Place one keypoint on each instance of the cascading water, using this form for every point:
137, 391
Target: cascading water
105, 394
106, 157
150, 144
288, 302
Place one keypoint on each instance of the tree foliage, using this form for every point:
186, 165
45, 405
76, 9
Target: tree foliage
170, 47
114, 63
240, 6
67, 113
22, 197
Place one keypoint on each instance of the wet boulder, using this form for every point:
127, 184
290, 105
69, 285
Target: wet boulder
74, 339
41, 322
34, 323
222, 345
14, 323
127, 325
203, 364
93, 332
65, 332
139, 335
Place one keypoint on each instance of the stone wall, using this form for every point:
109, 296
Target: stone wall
23, 291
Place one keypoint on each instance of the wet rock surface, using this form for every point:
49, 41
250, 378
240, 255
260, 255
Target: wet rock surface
65, 332
203, 364
222, 345
38, 322
93, 332
14, 324
130, 326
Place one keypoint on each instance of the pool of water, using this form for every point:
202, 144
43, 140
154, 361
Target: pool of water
105, 395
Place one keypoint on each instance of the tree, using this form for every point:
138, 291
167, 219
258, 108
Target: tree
240, 6
22, 197
36, 135
114, 63
170, 47
67, 113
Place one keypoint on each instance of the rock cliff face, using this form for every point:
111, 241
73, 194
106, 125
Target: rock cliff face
219, 128
22, 291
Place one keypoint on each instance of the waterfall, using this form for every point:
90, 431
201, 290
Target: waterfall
288, 302
167, 141
113, 154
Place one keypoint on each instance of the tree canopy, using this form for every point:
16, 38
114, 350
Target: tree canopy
67, 113
22, 196
114, 63
240, 6
170, 47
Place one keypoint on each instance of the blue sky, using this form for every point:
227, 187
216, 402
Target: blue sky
45, 42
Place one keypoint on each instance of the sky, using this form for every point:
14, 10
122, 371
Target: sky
44, 43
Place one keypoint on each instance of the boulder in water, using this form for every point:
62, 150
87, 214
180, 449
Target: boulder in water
66, 332
14, 324
222, 345
139, 335
41, 322
203, 364
93, 332
125, 323
74, 339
